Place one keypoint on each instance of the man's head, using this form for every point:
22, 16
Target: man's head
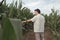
37, 11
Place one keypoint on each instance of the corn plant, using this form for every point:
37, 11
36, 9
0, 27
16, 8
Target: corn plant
53, 21
11, 30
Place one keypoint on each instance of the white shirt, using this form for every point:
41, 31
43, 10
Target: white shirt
39, 22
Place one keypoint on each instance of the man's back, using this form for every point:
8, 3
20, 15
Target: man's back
38, 23
40, 19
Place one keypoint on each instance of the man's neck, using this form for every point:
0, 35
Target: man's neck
36, 14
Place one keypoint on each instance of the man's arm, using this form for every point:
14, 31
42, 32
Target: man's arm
27, 21
31, 20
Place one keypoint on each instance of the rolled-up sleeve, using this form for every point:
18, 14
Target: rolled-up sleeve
33, 19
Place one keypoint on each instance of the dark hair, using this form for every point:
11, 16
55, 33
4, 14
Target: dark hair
37, 10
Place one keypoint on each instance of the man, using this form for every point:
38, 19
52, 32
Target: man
39, 21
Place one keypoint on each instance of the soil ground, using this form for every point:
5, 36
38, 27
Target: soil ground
30, 35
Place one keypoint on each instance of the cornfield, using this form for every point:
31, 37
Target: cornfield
16, 11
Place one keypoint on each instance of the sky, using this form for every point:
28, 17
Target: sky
44, 5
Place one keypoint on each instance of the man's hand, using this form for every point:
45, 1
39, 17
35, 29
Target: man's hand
23, 21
